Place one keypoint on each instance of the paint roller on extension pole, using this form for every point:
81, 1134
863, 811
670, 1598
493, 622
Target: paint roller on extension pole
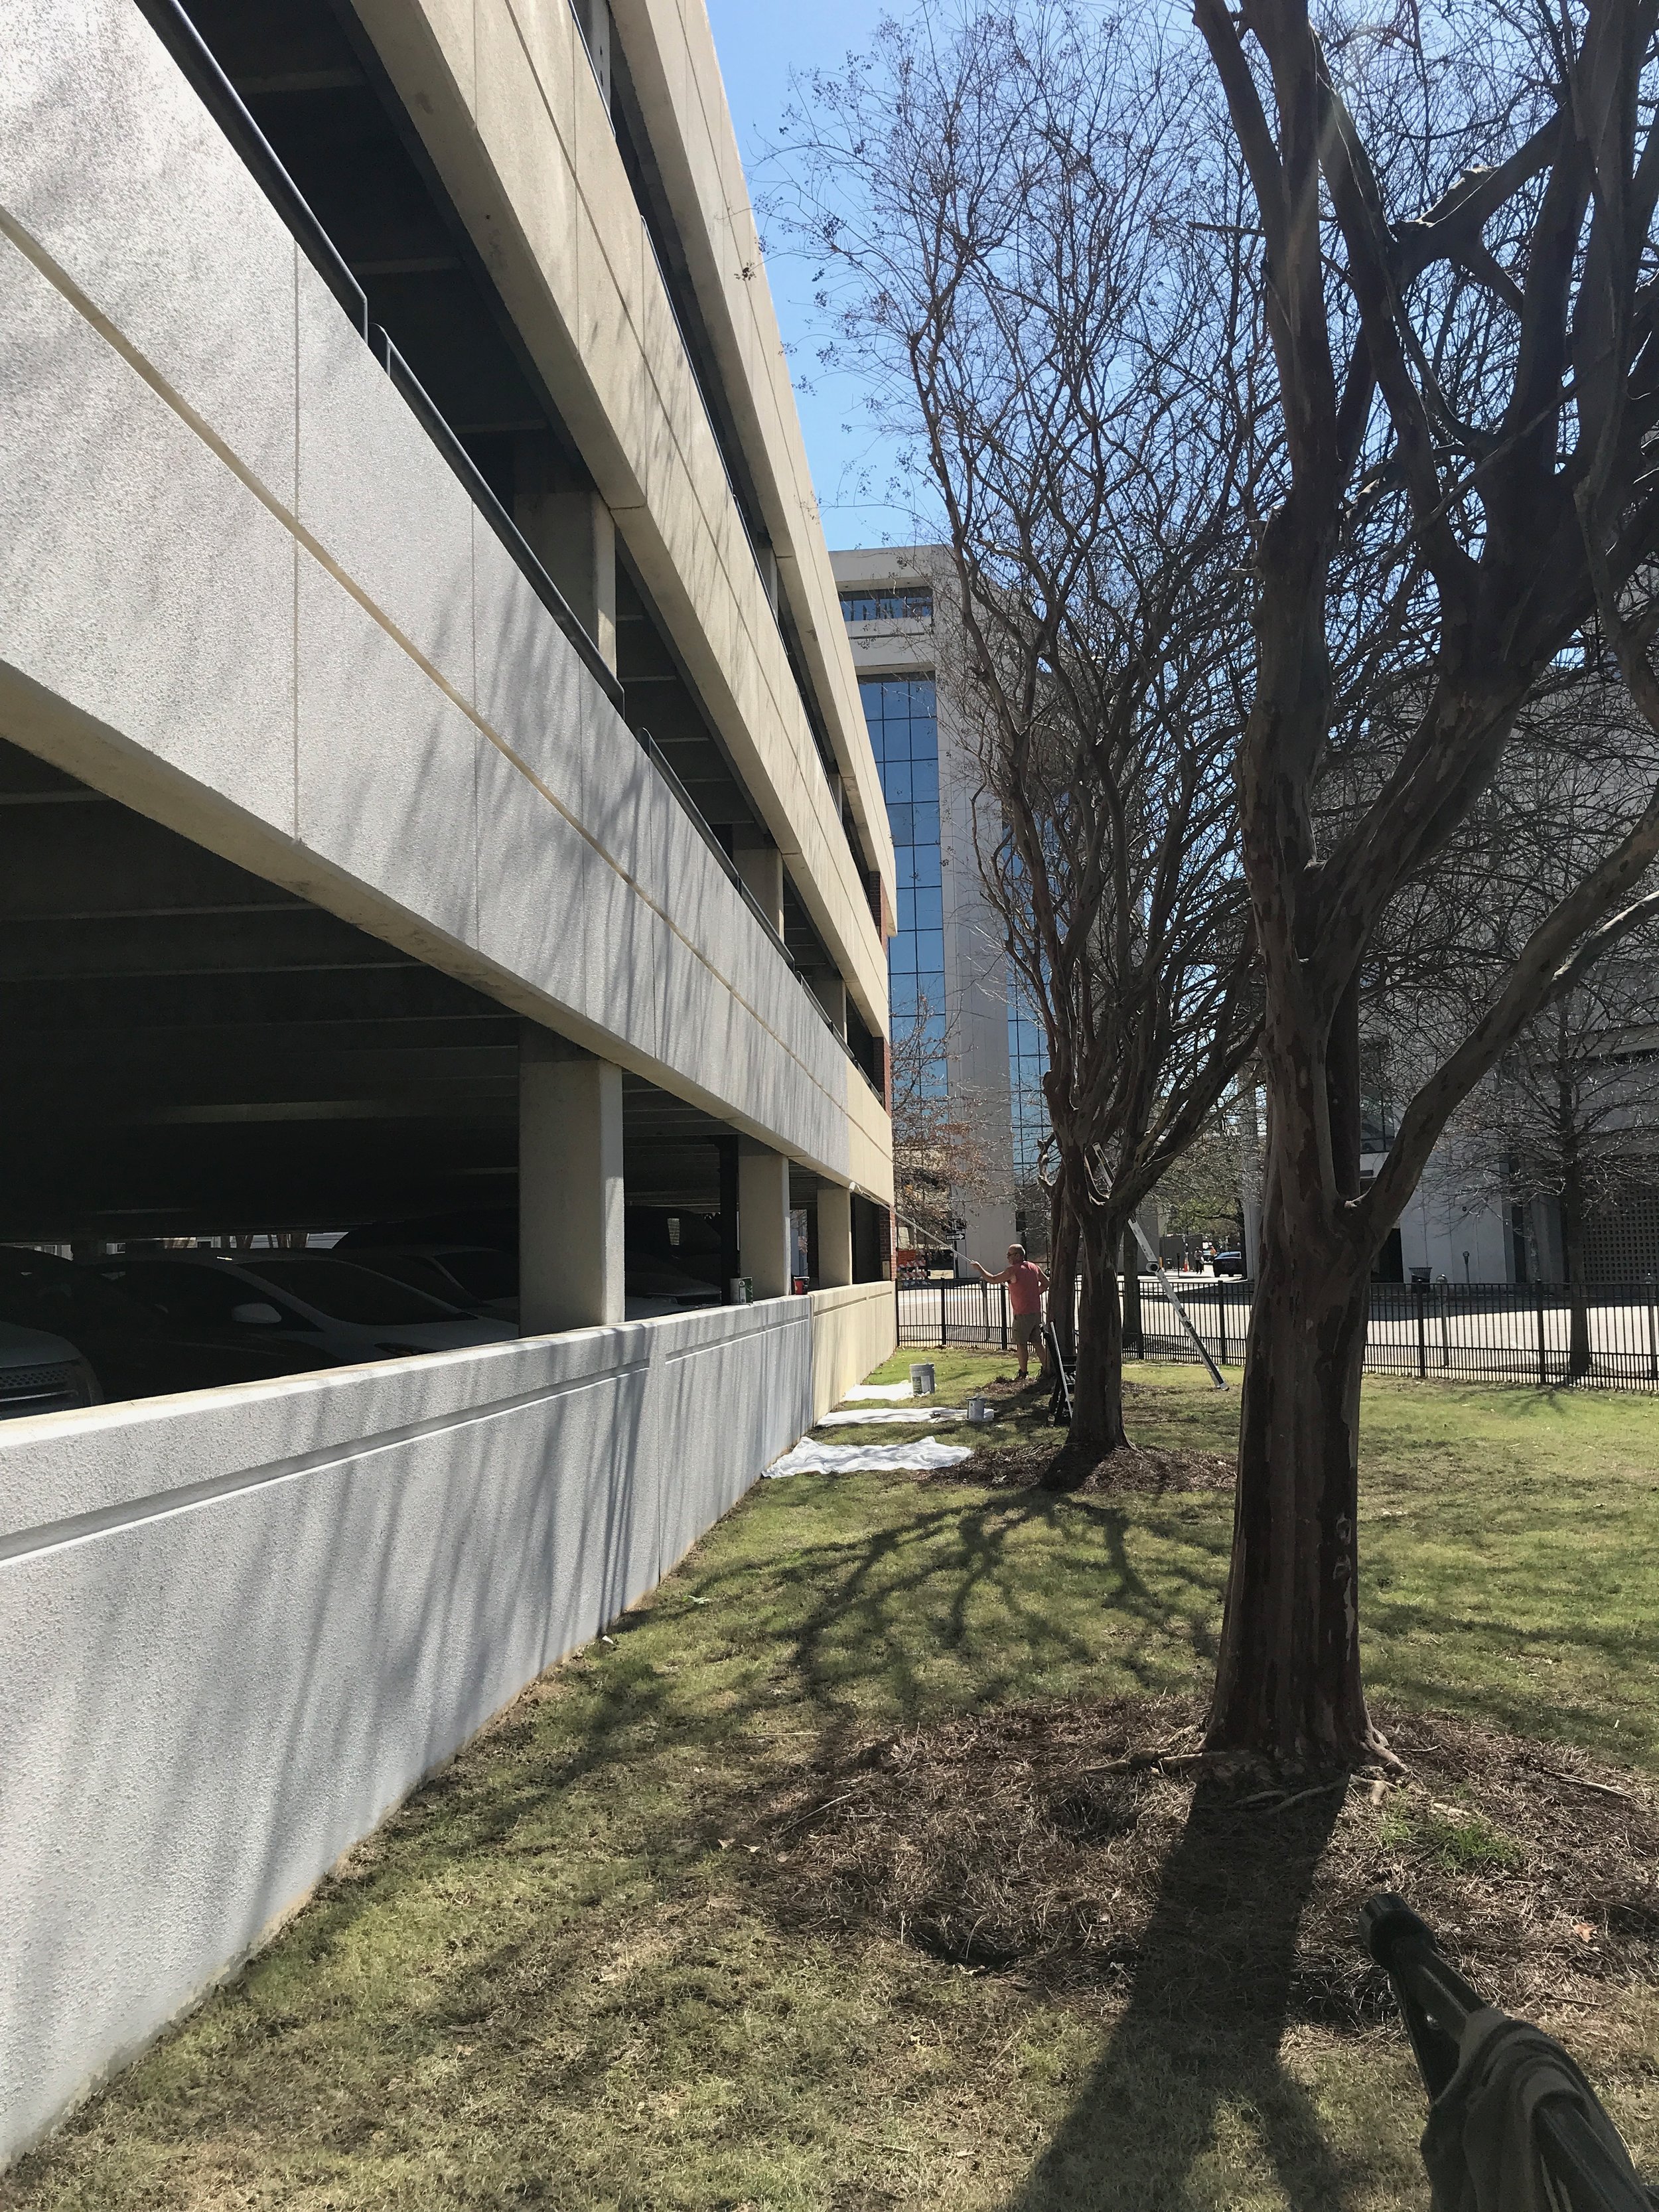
1199, 1344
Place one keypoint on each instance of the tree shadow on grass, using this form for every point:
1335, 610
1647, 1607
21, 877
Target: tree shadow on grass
1200, 2038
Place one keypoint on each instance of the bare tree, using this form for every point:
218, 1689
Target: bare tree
1571, 1113
1012, 252
1454, 210
1205, 1190
942, 1153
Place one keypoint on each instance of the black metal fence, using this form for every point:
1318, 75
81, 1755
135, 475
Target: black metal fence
1455, 1332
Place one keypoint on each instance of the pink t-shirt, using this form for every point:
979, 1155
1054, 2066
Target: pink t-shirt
1025, 1288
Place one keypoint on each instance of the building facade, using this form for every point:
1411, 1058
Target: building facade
949, 966
435, 793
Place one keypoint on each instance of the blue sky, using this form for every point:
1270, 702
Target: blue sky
759, 43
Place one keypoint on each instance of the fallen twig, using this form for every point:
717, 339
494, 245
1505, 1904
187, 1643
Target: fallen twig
1583, 1782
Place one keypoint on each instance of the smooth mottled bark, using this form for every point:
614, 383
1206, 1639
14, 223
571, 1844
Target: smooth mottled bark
1097, 1392
1453, 274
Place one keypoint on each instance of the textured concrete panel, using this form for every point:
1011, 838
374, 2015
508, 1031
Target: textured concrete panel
388, 762
375, 492
140, 579
216, 1683
101, 143
534, 691
552, 911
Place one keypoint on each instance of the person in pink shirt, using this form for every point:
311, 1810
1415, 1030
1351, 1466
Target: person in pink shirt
1026, 1285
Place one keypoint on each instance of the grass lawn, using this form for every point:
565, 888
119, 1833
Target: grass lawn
556, 1977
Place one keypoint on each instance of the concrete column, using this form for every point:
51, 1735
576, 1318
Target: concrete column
573, 536
570, 1186
831, 994
764, 1220
760, 864
594, 17
835, 1236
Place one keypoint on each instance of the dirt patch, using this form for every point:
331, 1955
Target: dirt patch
1141, 1468
1084, 1849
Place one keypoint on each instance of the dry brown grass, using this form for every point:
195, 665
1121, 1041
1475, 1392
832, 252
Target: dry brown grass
1085, 1848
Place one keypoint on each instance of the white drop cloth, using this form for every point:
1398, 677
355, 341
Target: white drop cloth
929, 1413
808, 1458
880, 1390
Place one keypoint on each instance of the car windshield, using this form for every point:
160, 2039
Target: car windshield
483, 1274
346, 1292
191, 1293
411, 1267
40, 1291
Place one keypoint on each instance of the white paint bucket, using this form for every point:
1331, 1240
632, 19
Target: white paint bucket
921, 1378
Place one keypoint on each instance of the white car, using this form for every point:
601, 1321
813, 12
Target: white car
342, 1312
40, 1374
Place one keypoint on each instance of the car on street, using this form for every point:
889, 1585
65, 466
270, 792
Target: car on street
1230, 1263
41, 1374
334, 1310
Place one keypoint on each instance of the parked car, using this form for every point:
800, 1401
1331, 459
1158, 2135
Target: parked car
40, 1374
655, 1286
134, 1352
334, 1310
1230, 1263
474, 1278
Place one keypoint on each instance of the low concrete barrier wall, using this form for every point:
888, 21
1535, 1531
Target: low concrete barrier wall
236, 1627
853, 1331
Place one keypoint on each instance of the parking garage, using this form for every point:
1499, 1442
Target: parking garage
199, 1059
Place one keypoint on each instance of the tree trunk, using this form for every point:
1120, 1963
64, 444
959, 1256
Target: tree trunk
1062, 1266
1098, 1391
1572, 1253
1288, 1686
1287, 1682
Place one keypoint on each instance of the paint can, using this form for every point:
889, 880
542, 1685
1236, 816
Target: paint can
921, 1378
980, 1410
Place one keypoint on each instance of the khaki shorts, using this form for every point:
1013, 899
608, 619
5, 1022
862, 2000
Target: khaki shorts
1026, 1329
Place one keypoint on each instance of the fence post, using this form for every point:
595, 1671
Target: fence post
1003, 1288
1221, 1319
1445, 1324
898, 1310
1653, 1337
941, 1317
1420, 1300
1543, 1360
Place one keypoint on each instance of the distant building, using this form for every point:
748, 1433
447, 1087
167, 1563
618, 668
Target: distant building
949, 954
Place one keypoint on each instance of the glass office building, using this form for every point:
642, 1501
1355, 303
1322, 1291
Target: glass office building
948, 964
904, 719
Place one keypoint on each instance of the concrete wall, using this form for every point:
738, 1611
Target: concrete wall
236, 1627
853, 1329
241, 590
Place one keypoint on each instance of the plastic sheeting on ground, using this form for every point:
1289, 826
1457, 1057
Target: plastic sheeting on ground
930, 1412
880, 1390
921, 1453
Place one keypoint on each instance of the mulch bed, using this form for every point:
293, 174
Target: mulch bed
1086, 1849
1139, 1468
